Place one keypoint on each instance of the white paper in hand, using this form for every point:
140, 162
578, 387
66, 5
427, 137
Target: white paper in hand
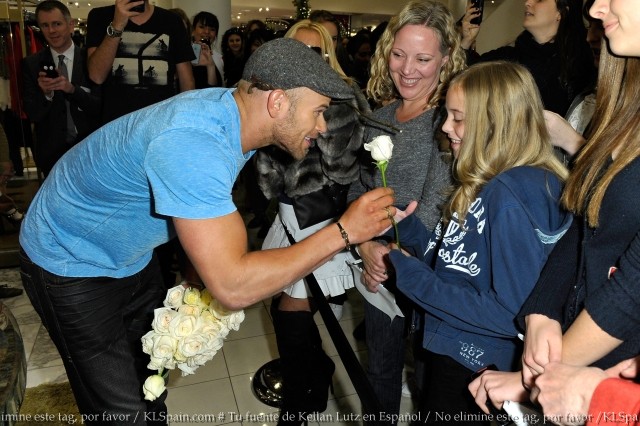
522, 414
383, 299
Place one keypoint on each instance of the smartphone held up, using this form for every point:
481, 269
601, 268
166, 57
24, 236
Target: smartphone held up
197, 48
49, 69
477, 4
139, 8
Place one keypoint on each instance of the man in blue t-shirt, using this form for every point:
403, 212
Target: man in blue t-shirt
166, 170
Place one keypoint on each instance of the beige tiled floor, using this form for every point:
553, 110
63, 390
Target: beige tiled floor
223, 386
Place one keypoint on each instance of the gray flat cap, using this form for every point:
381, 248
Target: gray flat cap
285, 63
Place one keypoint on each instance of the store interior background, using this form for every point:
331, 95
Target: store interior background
504, 17
229, 375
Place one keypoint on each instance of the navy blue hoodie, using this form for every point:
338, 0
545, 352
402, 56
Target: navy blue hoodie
485, 270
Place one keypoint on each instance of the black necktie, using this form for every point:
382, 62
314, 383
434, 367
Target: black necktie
71, 127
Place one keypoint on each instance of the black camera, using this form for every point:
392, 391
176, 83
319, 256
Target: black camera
139, 8
49, 68
478, 4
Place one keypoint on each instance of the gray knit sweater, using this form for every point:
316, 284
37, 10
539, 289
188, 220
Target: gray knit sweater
417, 170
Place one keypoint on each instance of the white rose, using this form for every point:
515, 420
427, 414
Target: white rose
147, 342
164, 346
189, 310
234, 320
174, 297
381, 148
153, 387
201, 359
217, 309
179, 357
162, 319
192, 345
182, 325
191, 296
214, 343
207, 323
186, 369
206, 316
205, 298
170, 364
156, 363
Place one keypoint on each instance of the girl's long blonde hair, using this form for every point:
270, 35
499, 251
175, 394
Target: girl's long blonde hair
431, 15
504, 127
615, 131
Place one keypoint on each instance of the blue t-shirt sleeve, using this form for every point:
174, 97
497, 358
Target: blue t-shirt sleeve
191, 173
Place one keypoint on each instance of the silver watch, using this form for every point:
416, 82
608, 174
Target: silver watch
112, 32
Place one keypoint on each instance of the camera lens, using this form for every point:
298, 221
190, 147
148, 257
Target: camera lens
205, 41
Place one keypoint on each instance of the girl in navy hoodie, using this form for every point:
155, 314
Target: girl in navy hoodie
474, 272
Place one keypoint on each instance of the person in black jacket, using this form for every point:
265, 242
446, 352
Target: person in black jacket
63, 105
552, 46
583, 310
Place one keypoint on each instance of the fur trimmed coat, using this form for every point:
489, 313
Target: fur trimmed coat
332, 159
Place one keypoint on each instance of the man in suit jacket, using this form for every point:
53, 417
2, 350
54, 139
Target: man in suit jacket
61, 101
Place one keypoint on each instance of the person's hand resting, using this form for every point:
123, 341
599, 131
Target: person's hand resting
375, 266
542, 345
496, 387
564, 392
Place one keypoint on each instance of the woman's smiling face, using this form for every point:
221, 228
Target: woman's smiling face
621, 22
415, 62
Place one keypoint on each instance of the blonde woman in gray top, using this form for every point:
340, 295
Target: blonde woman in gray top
417, 55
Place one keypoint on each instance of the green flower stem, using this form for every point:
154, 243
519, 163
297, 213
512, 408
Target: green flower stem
382, 165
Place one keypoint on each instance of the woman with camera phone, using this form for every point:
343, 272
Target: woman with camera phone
208, 69
552, 46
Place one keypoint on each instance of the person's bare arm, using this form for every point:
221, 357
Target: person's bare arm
585, 342
185, 76
562, 134
542, 344
469, 31
218, 250
100, 59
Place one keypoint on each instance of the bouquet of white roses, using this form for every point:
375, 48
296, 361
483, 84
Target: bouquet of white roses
187, 332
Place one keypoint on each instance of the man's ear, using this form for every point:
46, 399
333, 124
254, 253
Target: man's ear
277, 103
